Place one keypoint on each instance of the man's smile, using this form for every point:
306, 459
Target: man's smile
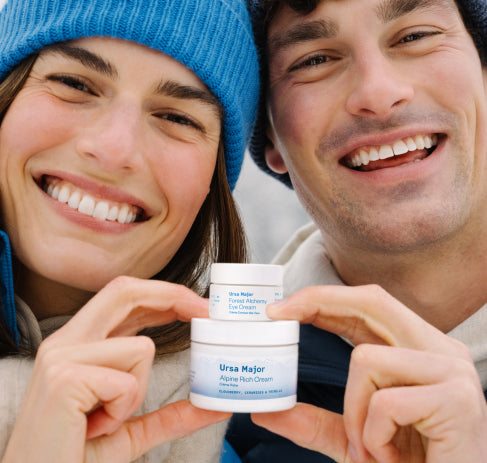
402, 151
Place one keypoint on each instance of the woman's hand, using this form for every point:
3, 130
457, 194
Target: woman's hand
91, 376
413, 394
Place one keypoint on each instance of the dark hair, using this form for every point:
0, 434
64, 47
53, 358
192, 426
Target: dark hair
270, 7
216, 235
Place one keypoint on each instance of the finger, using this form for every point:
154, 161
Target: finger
126, 305
378, 367
122, 353
117, 395
362, 314
391, 410
309, 427
73, 392
145, 432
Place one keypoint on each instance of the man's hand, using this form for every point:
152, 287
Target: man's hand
413, 394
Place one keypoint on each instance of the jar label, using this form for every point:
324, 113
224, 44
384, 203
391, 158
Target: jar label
229, 302
249, 378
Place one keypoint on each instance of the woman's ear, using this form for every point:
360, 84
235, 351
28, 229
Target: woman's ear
273, 157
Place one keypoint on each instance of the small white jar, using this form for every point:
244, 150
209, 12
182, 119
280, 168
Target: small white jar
242, 291
244, 366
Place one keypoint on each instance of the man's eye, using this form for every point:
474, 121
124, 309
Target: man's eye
415, 36
311, 62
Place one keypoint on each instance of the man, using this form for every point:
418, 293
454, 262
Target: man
376, 112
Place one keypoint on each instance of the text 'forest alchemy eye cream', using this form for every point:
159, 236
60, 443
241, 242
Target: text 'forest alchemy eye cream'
242, 291
244, 366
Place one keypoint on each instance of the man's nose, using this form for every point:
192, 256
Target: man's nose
379, 87
114, 137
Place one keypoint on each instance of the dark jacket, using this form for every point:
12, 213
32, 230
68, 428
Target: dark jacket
323, 370
322, 376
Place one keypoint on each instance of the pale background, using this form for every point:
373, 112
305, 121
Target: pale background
270, 211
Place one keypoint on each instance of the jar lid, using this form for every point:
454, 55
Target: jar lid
238, 333
247, 274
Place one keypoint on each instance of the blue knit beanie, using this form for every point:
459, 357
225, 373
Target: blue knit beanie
474, 15
213, 38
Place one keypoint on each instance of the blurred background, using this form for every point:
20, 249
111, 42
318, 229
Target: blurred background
270, 211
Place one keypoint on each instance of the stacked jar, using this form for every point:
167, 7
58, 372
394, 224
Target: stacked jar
241, 361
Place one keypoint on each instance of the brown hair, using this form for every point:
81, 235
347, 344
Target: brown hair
217, 235
270, 7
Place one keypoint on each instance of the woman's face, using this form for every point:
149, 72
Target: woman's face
106, 155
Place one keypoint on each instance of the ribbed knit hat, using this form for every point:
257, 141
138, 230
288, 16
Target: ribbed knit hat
474, 14
213, 38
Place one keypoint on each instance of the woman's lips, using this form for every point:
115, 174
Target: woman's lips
89, 204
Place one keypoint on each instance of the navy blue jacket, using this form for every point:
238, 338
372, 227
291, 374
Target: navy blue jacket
322, 376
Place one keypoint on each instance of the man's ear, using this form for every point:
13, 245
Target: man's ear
273, 157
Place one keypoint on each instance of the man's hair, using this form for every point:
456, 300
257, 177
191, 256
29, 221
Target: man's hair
300, 6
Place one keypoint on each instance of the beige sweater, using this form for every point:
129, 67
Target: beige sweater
169, 382
306, 263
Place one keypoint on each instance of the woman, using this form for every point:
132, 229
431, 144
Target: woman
123, 126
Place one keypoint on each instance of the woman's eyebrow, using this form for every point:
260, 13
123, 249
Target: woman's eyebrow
86, 58
167, 87
186, 92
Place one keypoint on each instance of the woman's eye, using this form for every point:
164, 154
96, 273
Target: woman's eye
72, 82
180, 120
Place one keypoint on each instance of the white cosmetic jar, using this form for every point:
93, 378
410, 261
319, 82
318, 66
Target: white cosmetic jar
244, 366
242, 291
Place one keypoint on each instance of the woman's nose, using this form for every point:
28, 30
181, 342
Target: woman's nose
113, 138
379, 87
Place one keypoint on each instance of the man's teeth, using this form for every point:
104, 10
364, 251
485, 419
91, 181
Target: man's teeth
365, 155
88, 205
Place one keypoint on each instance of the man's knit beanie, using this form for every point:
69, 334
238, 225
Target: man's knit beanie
474, 14
213, 38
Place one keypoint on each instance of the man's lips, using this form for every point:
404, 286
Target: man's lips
91, 205
400, 152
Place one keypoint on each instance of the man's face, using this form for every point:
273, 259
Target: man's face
377, 109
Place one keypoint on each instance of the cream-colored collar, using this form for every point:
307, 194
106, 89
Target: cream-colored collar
307, 264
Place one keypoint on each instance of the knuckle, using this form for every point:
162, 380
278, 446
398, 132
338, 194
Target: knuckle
381, 402
146, 346
377, 293
462, 350
120, 283
362, 355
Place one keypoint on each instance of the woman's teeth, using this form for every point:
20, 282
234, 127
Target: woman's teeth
89, 205
373, 153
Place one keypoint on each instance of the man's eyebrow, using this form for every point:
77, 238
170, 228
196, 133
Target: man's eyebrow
85, 57
185, 92
389, 10
304, 32
386, 11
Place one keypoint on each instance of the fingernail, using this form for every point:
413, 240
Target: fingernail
275, 306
